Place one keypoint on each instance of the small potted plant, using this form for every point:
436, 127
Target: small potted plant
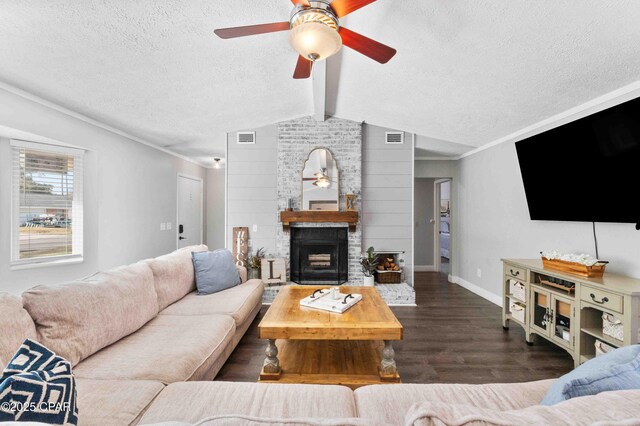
369, 263
255, 264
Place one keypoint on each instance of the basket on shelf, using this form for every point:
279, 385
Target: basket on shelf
517, 310
389, 268
517, 290
594, 271
602, 348
612, 327
388, 277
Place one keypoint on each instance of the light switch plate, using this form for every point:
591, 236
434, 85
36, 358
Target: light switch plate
163, 226
254, 228
168, 226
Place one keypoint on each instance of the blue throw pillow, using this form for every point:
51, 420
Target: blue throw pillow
215, 271
38, 386
616, 370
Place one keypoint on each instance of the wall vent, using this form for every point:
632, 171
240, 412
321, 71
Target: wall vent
246, 138
394, 138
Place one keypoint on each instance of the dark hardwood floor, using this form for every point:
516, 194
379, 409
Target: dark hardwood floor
453, 336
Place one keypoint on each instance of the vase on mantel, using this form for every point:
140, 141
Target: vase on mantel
368, 281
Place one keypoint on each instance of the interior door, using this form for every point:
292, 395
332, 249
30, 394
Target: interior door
442, 222
189, 221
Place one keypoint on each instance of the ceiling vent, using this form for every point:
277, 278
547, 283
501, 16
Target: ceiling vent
246, 138
394, 138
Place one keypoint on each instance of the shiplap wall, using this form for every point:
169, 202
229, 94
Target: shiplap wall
387, 194
252, 188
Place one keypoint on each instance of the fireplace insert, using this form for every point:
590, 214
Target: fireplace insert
319, 256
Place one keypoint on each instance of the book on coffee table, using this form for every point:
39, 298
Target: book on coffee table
324, 300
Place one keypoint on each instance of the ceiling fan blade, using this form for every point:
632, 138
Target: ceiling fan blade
234, 32
303, 68
302, 2
345, 7
371, 48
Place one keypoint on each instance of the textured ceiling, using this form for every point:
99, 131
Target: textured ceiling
466, 72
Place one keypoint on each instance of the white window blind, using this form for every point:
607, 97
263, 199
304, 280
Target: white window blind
47, 218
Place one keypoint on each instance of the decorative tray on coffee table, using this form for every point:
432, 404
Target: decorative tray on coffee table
323, 299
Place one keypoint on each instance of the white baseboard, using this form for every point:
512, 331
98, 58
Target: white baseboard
424, 268
493, 298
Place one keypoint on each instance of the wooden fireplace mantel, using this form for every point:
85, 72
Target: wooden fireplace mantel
312, 216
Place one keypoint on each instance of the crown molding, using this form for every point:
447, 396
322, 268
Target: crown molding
437, 158
600, 103
33, 98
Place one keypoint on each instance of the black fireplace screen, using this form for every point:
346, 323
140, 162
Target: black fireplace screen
319, 256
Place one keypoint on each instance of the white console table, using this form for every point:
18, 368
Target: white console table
571, 320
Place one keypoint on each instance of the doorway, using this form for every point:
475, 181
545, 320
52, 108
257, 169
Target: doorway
189, 219
433, 225
443, 228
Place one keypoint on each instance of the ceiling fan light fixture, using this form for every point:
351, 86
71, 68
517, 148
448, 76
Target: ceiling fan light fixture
314, 34
322, 182
321, 173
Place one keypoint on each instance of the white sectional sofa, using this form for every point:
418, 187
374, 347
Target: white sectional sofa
145, 348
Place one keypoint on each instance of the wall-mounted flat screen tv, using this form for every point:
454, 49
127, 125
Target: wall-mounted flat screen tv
587, 170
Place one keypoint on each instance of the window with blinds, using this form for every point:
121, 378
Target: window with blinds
47, 202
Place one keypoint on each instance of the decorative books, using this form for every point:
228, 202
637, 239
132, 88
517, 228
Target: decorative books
323, 299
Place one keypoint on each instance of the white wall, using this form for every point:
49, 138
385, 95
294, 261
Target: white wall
129, 189
436, 168
492, 222
424, 230
445, 190
387, 194
215, 208
252, 188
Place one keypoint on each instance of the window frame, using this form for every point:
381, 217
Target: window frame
77, 222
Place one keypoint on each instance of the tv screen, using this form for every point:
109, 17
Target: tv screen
587, 170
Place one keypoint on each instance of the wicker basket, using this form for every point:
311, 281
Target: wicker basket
388, 277
594, 271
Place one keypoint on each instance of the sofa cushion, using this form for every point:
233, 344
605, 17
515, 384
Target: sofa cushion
15, 324
237, 420
390, 403
215, 271
36, 375
605, 407
173, 274
192, 402
168, 349
114, 402
238, 302
78, 319
616, 370
243, 273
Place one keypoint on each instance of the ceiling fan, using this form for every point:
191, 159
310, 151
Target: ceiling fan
315, 33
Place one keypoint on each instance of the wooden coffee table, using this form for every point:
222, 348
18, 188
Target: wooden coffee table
312, 346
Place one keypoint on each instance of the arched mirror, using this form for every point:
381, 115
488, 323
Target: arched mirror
320, 181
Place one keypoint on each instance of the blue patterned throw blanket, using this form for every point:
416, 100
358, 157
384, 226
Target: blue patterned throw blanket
38, 386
